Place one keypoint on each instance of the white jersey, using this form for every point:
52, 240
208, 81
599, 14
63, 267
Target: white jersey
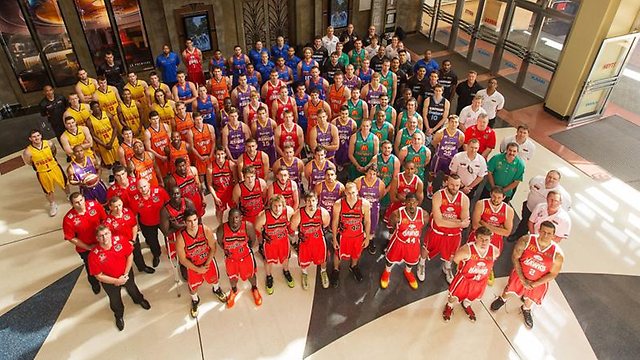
468, 117
560, 219
468, 169
330, 44
538, 194
525, 150
491, 103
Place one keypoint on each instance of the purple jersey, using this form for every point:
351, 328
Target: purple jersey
449, 145
317, 174
327, 197
372, 194
244, 98
325, 139
294, 171
265, 137
224, 118
235, 141
373, 95
97, 192
352, 83
344, 133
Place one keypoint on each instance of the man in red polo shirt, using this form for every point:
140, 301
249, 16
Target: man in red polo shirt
122, 222
147, 203
124, 186
110, 262
79, 228
485, 135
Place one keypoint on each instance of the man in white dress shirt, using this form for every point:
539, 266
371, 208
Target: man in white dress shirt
492, 101
470, 166
551, 210
526, 147
469, 114
330, 41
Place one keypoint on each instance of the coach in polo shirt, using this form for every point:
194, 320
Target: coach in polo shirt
505, 170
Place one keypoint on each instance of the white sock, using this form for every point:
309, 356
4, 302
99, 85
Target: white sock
447, 265
388, 268
194, 297
423, 261
466, 303
304, 270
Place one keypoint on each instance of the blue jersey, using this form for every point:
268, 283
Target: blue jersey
306, 69
318, 85
302, 119
185, 93
256, 56
265, 70
168, 65
205, 108
365, 76
222, 64
277, 52
293, 64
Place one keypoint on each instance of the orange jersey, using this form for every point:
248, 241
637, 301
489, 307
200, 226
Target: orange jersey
183, 126
143, 169
219, 89
336, 98
178, 153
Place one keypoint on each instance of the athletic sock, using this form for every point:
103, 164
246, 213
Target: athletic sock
234, 288
407, 268
194, 297
466, 302
254, 287
423, 261
304, 271
388, 268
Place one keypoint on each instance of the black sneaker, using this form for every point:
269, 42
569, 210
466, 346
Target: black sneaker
120, 323
357, 274
528, 319
194, 308
95, 288
289, 278
156, 261
497, 304
371, 248
148, 270
269, 284
145, 304
220, 294
335, 278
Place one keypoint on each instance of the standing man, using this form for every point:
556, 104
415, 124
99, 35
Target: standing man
147, 203
551, 211
537, 260
315, 169
426, 62
167, 63
202, 140
325, 134
467, 90
485, 135
249, 195
449, 216
103, 130
363, 148
112, 70
371, 188
407, 224
110, 262
446, 143
255, 54
288, 134
388, 169
196, 248
79, 228
348, 38
259, 160
53, 107
234, 134
492, 101
285, 187
85, 87
185, 177
470, 167
435, 111
76, 135
185, 91
294, 165
221, 179
108, 97
238, 64
156, 139
320, 53
41, 155
192, 57
526, 147
236, 237
448, 79
330, 41
131, 113
280, 49
474, 261
469, 114
350, 223
506, 170
83, 171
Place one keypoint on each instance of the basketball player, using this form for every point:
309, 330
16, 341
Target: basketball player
103, 131
263, 131
350, 225
315, 169
381, 128
221, 179
371, 188
418, 153
241, 95
84, 171
234, 134
406, 182
363, 148
435, 111
86, 86
407, 223
325, 134
184, 91
372, 91
208, 107
282, 104
329, 190
192, 57
289, 134
250, 111
138, 90
294, 165
130, 113
446, 142
249, 195
219, 85
185, 177
78, 110
143, 165
388, 169
41, 155
172, 222
75, 134
284, 187
107, 97
177, 149
238, 64
254, 158
202, 140
196, 248
338, 93
346, 128
358, 108
271, 90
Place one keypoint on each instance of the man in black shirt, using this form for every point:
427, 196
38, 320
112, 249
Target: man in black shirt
401, 74
417, 83
112, 70
448, 79
331, 67
348, 38
371, 33
376, 61
52, 107
405, 62
466, 90
320, 53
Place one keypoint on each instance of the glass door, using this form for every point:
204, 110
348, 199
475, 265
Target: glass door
516, 45
427, 21
488, 32
445, 21
467, 26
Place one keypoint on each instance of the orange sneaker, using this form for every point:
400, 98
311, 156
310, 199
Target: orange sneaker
384, 279
231, 299
411, 279
256, 296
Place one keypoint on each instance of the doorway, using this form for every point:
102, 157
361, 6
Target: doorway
265, 20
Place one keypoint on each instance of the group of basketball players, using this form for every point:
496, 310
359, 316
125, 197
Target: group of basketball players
269, 153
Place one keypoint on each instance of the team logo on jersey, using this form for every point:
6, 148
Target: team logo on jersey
93, 212
127, 217
450, 209
155, 199
493, 219
537, 257
118, 247
102, 257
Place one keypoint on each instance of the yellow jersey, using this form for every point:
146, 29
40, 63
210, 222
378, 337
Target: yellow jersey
81, 115
108, 101
78, 139
102, 127
137, 92
131, 116
152, 91
43, 159
166, 112
89, 88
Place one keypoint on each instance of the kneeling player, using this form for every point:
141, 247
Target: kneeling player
310, 221
475, 262
272, 225
196, 248
236, 237
404, 245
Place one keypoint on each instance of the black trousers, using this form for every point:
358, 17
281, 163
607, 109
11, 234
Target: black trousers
85, 259
150, 234
523, 226
138, 259
115, 300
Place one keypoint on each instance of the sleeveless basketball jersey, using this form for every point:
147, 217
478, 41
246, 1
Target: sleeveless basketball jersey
317, 173
265, 136
310, 226
276, 228
253, 112
159, 139
43, 159
536, 262
152, 90
189, 189
239, 66
88, 88
252, 79
363, 150
272, 92
419, 157
356, 111
435, 111
221, 63
251, 201
174, 154
405, 138
335, 98
449, 144
207, 110
184, 93
388, 112
357, 58
478, 266
365, 76
306, 69
184, 126
319, 85
137, 92
289, 137
409, 229
294, 171
405, 117
281, 107
286, 191
300, 102
312, 113
192, 61
328, 197
222, 177
165, 112
385, 169
131, 115
202, 141
325, 138
81, 170
81, 115
196, 247
236, 243
352, 83
244, 98
143, 169
387, 81
373, 95
102, 128
78, 139
175, 215
370, 192
108, 101
451, 209
256, 162
219, 89
493, 217
351, 218
405, 187
344, 134
382, 132
236, 141
128, 151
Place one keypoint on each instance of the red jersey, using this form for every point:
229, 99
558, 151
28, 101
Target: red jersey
335, 98
289, 137
149, 209
125, 193
405, 187
408, 230
256, 162
276, 229
236, 243
219, 89
486, 138
83, 226
189, 189
176, 215
251, 201
310, 226
536, 262
111, 262
450, 209
196, 247
222, 177
178, 153
128, 151
123, 225
478, 266
286, 191
272, 92
192, 61
494, 217
144, 169
281, 107
351, 218
253, 112
183, 126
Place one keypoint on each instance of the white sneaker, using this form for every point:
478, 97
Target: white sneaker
421, 272
448, 274
53, 209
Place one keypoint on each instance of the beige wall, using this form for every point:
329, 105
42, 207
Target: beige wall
408, 15
595, 21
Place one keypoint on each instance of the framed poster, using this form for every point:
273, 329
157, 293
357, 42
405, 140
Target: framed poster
196, 28
339, 13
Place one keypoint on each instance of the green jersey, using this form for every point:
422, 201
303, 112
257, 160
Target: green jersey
419, 157
405, 117
387, 81
357, 58
405, 138
356, 111
381, 132
388, 113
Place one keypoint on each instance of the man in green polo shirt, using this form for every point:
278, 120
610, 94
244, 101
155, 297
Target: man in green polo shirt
505, 170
